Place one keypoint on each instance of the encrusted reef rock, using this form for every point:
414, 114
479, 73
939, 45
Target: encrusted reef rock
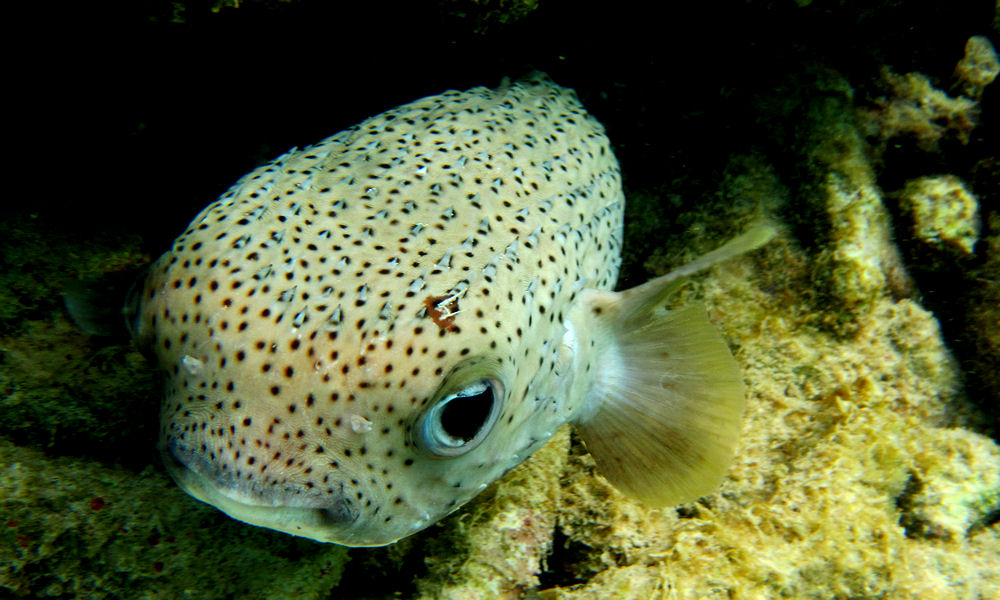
79, 529
979, 67
848, 444
857, 262
497, 547
944, 212
954, 486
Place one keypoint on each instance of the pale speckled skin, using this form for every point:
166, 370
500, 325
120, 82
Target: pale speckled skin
305, 318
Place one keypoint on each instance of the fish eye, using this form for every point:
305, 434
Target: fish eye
459, 422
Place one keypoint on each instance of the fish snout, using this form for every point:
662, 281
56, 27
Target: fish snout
285, 506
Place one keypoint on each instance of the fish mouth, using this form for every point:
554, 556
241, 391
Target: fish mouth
304, 513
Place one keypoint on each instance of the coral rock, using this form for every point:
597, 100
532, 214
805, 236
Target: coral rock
943, 210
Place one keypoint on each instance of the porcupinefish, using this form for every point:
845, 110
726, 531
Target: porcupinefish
359, 336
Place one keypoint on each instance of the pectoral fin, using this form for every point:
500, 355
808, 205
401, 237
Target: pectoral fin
663, 417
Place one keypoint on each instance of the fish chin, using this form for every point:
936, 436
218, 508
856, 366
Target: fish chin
318, 516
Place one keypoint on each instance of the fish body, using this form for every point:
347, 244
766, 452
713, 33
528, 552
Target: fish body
359, 336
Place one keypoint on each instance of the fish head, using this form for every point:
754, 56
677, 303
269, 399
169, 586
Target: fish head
361, 335
359, 428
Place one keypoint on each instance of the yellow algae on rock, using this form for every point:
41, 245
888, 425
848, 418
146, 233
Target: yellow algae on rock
635, 581
497, 547
855, 477
829, 447
76, 528
858, 263
944, 212
979, 67
955, 484
915, 107
863, 257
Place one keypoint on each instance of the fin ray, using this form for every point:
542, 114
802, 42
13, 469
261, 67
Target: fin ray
663, 418
667, 409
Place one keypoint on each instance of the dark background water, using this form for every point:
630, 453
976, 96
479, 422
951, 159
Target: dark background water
136, 122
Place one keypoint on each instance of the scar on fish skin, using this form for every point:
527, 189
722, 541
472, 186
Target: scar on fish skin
445, 319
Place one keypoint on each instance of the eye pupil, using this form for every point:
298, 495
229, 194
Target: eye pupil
460, 421
464, 415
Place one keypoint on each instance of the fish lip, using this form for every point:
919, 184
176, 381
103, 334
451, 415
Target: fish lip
319, 516
183, 462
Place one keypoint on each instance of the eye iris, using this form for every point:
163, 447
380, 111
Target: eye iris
459, 422
464, 415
